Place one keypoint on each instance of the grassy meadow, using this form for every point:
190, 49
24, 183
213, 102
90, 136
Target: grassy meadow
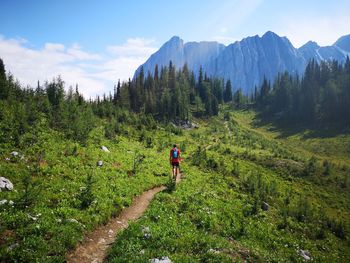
249, 193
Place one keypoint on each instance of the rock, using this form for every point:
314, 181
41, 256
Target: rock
32, 217
101, 241
12, 247
105, 149
162, 260
265, 206
142, 252
305, 254
72, 220
100, 163
3, 202
14, 153
214, 251
11, 203
146, 232
5, 184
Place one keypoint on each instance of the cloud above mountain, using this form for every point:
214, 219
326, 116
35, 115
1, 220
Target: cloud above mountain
94, 73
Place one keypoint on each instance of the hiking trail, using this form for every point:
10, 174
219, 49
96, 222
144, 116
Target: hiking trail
95, 246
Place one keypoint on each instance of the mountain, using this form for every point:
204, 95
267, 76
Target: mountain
248, 61
343, 43
311, 50
194, 54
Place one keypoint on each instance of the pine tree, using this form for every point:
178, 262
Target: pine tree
2, 71
4, 89
228, 92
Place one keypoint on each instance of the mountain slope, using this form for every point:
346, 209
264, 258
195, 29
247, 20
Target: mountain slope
343, 43
194, 54
248, 61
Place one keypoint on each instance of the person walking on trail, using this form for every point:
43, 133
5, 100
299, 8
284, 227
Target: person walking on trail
175, 160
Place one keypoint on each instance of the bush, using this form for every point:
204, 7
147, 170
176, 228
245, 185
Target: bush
326, 167
310, 168
171, 185
30, 193
86, 197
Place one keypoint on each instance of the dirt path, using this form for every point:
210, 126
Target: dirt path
95, 245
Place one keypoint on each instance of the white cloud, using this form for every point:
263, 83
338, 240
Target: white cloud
134, 47
94, 73
54, 47
324, 30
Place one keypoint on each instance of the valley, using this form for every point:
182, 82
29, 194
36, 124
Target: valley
247, 194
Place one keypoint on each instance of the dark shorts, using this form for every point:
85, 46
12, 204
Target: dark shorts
175, 164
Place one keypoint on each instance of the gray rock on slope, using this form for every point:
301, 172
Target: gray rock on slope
105, 149
5, 184
162, 260
306, 255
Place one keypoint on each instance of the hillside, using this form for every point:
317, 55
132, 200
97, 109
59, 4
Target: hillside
249, 191
232, 174
246, 196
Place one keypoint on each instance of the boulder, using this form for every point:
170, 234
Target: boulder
162, 260
306, 255
146, 232
14, 153
73, 220
3, 202
5, 184
105, 149
265, 206
99, 163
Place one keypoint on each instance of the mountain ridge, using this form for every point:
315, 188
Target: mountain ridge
248, 61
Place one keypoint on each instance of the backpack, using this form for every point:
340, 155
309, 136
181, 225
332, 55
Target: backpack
175, 153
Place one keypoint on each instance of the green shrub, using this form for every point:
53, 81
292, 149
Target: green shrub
86, 196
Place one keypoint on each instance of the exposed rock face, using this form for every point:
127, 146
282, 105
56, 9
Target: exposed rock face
343, 43
311, 50
195, 54
245, 62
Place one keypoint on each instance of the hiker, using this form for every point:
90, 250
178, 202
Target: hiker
175, 160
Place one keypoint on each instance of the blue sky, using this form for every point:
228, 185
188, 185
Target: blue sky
94, 43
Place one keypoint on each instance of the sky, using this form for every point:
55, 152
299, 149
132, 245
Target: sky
94, 43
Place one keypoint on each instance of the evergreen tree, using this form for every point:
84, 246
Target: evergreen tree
228, 92
2, 71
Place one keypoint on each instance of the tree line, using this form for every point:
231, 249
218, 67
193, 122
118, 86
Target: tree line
320, 97
167, 95
171, 94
